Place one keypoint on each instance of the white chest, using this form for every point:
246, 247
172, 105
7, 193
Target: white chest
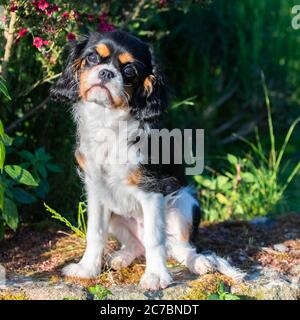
103, 143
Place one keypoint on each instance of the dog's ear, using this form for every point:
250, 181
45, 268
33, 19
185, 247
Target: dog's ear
150, 99
66, 88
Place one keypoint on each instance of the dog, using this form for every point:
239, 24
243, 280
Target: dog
112, 77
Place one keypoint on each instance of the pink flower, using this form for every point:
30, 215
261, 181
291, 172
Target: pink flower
13, 7
76, 15
43, 5
51, 9
46, 42
49, 13
55, 7
71, 36
22, 32
103, 25
162, 3
38, 42
3, 19
90, 17
65, 15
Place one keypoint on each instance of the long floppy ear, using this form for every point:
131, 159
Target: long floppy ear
66, 88
151, 99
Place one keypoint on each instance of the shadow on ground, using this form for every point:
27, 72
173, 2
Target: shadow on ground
41, 252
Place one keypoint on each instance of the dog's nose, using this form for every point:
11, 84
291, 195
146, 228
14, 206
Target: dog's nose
106, 74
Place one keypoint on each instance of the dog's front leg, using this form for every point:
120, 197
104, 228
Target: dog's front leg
156, 275
96, 237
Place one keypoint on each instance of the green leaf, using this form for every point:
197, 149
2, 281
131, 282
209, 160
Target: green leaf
247, 177
41, 154
53, 167
222, 199
232, 159
23, 196
2, 155
221, 288
229, 296
7, 140
10, 213
213, 297
99, 292
3, 88
2, 190
1, 129
42, 170
209, 183
239, 209
26, 155
21, 175
221, 181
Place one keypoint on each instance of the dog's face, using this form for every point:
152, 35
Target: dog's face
115, 70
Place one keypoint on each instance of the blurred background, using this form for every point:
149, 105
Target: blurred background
233, 67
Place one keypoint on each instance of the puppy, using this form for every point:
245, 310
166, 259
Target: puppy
112, 78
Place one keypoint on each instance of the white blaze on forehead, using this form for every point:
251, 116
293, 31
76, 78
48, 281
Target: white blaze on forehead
93, 74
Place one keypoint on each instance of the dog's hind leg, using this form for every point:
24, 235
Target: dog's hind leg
179, 228
125, 230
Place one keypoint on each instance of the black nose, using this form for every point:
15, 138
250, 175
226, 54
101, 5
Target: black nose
106, 74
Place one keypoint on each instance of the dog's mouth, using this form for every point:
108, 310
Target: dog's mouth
104, 88
115, 101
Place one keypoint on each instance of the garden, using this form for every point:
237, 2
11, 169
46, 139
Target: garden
233, 70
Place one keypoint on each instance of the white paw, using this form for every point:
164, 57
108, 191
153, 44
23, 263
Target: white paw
120, 259
201, 265
81, 271
154, 281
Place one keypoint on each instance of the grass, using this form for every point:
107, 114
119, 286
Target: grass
80, 229
99, 292
253, 185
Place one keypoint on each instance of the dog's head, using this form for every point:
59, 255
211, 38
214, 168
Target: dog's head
116, 70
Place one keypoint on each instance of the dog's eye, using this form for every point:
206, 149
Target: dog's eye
129, 71
93, 58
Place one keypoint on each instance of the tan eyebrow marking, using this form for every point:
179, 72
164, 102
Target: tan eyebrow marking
103, 50
148, 84
125, 57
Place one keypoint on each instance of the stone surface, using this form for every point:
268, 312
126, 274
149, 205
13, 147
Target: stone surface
269, 284
131, 292
261, 283
43, 289
280, 247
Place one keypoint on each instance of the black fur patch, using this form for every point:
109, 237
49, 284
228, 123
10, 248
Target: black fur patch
197, 215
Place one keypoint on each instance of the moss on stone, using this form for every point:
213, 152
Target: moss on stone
204, 286
10, 295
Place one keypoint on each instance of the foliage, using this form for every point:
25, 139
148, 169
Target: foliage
32, 174
99, 292
222, 294
209, 53
3, 88
10, 176
80, 230
250, 186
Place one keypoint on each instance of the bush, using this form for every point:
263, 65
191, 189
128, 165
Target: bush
251, 186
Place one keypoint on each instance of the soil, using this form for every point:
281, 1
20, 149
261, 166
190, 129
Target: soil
271, 247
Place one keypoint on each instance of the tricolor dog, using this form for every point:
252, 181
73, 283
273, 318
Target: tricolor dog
110, 78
